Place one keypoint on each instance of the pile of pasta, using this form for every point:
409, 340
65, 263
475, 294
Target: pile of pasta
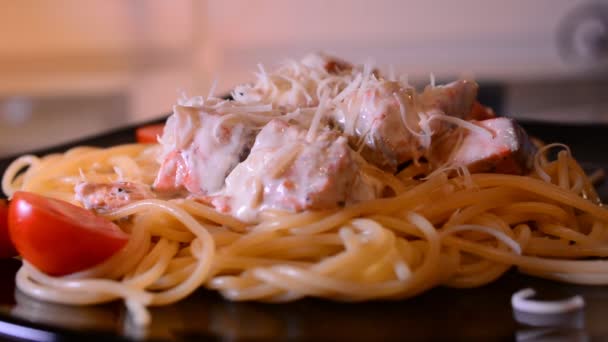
451, 229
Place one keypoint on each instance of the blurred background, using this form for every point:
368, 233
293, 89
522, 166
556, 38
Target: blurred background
70, 69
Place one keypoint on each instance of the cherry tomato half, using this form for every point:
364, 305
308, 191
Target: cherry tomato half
58, 237
149, 134
7, 249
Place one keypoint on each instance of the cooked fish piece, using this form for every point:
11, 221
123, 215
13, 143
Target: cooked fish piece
332, 65
454, 99
104, 197
386, 120
379, 122
285, 171
507, 149
200, 148
480, 112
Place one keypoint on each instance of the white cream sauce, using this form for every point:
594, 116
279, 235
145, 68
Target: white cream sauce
297, 162
285, 172
199, 149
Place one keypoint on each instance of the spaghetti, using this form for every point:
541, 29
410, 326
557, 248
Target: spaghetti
453, 230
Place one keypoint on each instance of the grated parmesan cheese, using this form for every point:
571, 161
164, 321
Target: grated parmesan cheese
316, 120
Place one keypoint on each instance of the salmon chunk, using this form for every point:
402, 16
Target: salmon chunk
287, 171
200, 148
104, 197
507, 149
455, 99
377, 122
384, 120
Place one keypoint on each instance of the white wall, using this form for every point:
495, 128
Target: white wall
498, 39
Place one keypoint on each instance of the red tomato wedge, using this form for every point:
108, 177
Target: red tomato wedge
7, 249
149, 134
58, 237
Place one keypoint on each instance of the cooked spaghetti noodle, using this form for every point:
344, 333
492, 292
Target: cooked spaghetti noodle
453, 230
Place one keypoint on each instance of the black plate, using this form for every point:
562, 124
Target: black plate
440, 314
